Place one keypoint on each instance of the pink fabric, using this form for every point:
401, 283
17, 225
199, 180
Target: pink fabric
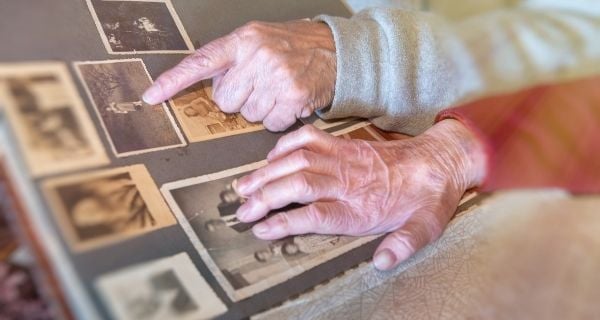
547, 136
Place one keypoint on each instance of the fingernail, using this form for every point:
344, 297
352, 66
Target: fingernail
152, 95
260, 228
242, 213
248, 210
384, 260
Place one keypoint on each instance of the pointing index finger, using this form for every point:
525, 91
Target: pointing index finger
207, 62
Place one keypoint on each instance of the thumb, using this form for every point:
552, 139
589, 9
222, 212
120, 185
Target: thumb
401, 244
207, 62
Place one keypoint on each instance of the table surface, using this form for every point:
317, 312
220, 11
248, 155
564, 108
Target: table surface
506, 256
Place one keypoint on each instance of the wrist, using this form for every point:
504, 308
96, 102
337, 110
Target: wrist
326, 35
460, 148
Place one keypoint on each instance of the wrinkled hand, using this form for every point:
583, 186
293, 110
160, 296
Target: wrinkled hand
270, 72
410, 188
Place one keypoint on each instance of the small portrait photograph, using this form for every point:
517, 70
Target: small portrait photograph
139, 26
201, 119
50, 122
132, 126
107, 206
243, 264
168, 288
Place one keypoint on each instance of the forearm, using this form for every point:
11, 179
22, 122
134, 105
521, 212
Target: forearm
400, 68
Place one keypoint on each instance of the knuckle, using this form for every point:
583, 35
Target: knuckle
310, 132
275, 125
218, 98
315, 216
286, 72
254, 113
282, 220
225, 104
248, 113
283, 141
259, 197
267, 123
267, 53
404, 241
431, 227
303, 158
301, 184
289, 120
250, 116
235, 37
201, 58
252, 29
298, 90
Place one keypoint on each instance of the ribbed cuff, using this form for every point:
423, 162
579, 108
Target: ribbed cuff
358, 69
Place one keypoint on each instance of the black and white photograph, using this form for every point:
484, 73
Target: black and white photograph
139, 26
107, 206
133, 127
54, 130
244, 265
168, 288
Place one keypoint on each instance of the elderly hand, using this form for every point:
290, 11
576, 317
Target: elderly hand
270, 72
410, 188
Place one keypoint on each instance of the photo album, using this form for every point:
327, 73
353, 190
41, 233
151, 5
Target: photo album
128, 209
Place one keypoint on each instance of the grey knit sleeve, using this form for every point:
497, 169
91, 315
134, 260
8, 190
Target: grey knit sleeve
399, 68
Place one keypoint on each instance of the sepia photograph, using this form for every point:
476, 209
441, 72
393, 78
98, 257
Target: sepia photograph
243, 264
201, 119
139, 26
167, 288
353, 130
49, 120
133, 127
326, 124
361, 131
103, 207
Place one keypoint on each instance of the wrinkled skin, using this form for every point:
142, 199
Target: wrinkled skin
407, 188
273, 73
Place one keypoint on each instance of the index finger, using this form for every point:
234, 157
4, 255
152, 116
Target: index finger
308, 137
207, 62
319, 217
297, 161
